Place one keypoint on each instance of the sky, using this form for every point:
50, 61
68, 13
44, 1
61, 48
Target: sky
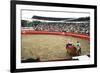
28, 14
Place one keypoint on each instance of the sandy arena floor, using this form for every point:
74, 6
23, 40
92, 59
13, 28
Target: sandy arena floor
49, 47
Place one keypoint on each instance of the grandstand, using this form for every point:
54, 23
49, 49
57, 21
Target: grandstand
75, 25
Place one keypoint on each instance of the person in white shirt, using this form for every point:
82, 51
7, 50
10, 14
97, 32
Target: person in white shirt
78, 46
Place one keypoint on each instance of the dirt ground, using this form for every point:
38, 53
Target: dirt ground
49, 47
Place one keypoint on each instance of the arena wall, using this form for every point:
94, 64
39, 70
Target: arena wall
83, 36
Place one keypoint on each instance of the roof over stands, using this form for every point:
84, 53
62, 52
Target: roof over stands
50, 18
60, 19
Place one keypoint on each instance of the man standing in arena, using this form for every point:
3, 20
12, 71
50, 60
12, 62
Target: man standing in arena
78, 46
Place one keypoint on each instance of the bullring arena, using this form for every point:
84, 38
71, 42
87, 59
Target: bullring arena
50, 46
54, 39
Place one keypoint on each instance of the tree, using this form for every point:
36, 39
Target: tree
23, 23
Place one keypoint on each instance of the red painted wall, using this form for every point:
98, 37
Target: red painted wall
25, 32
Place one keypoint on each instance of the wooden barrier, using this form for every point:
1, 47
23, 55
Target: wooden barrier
25, 32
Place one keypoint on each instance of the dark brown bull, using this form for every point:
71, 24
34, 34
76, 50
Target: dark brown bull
71, 50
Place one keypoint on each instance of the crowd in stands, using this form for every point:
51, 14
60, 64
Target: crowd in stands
81, 28
80, 25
